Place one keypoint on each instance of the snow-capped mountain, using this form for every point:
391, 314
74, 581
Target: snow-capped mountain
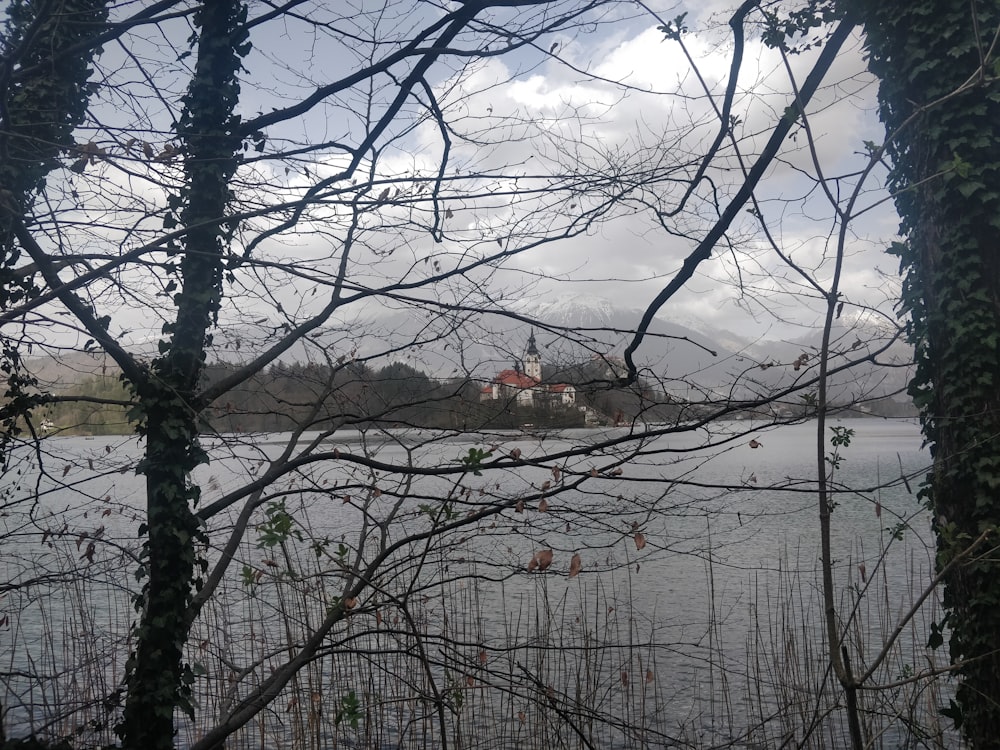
572, 310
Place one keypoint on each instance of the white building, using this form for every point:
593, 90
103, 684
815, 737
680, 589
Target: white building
524, 383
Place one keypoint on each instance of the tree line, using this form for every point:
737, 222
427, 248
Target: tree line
353, 395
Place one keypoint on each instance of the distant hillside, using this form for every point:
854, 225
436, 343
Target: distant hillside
68, 369
682, 364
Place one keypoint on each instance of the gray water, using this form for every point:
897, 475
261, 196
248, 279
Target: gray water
714, 619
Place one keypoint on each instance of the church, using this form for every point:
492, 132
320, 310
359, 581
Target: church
524, 385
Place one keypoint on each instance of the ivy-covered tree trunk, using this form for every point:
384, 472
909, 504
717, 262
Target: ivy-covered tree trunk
940, 102
47, 50
158, 681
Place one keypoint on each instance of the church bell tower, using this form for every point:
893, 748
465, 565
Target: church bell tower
532, 359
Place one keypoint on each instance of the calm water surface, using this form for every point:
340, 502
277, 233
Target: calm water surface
731, 543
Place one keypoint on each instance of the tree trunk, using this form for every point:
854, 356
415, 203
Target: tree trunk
942, 114
158, 681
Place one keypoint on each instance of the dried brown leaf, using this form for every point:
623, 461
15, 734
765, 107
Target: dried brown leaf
541, 560
575, 565
544, 558
640, 540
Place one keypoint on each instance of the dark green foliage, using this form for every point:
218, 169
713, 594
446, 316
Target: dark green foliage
349, 710
940, 102
278, 526
784, 31
45, 93
473, 460
43, 97
19, 396
319, 397
593, 383
289, 396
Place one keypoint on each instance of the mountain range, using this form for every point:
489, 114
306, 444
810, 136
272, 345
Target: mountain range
685, 361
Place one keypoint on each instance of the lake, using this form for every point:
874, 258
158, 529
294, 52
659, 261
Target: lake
695, 618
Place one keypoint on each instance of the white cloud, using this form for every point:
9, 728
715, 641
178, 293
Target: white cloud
629, 105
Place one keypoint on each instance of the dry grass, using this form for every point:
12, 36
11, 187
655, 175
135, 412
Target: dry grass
466, 661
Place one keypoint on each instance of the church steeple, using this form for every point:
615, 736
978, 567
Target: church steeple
532, 359
532, 349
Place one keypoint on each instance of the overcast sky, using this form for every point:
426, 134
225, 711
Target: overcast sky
609, 97
618, 96
630, 257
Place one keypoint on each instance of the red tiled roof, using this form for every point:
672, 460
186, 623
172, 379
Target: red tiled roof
515, 379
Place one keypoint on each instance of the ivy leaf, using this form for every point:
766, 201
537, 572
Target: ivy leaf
960, 166
953, 712
936, 638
